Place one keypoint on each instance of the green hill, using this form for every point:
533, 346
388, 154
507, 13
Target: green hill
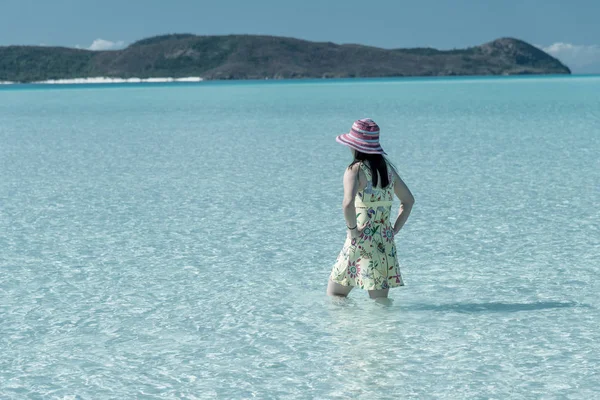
260, 57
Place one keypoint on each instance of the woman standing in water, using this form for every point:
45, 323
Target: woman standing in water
368, 259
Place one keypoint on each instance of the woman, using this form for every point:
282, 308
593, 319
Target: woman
368, 259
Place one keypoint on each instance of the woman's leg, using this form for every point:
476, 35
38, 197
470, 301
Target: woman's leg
376, 294
335, 289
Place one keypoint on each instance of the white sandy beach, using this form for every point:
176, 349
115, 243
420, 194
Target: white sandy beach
102, 79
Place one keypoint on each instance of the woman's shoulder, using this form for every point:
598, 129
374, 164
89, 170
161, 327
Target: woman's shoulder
358, 166
358, 170
364, 165
364, 168
390, 167
353, 170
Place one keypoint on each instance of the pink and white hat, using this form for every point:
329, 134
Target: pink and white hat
364, 137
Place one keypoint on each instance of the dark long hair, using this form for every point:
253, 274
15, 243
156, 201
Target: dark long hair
376, 163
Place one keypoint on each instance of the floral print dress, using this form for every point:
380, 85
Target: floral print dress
370, 262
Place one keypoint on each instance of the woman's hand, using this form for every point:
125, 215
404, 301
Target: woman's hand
356, 233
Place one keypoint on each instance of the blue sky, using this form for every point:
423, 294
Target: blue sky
569, 30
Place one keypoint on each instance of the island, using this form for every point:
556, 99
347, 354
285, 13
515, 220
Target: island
180, 56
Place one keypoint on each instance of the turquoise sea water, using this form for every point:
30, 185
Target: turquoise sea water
174, 241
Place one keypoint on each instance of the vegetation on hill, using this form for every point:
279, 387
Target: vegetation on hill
261, 57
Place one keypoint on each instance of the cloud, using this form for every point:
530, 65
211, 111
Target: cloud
580, 58
101, 44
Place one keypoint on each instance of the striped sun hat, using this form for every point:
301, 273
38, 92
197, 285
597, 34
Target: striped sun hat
364, 137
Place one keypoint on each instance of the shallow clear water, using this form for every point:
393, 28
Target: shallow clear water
174, 241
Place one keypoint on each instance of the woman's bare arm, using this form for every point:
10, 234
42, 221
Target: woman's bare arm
406, 201
354, 179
